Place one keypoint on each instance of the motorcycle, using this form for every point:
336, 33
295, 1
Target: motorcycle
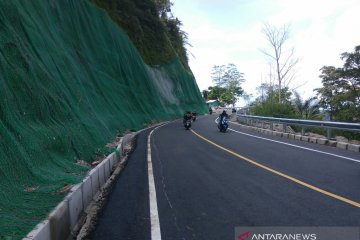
187, 124
223, 126
193, 116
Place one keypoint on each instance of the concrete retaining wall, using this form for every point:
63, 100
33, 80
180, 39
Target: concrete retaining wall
66, 216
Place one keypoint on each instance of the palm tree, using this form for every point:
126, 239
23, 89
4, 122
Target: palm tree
308, 109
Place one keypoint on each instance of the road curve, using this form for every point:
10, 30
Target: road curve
206, 185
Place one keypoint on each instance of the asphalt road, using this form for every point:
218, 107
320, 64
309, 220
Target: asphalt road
207, 183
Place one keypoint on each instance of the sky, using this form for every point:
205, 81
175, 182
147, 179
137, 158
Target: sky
230, 31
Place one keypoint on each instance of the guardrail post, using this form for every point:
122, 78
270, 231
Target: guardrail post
284, 127
328, 133
271, 126
302, 131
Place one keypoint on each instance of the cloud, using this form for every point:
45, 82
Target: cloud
212, 46
320, 31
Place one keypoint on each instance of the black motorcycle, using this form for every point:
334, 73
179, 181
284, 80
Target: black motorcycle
187, 124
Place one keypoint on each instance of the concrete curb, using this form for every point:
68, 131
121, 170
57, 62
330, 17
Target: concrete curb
342, 145
68, 214
354, 148
321, 141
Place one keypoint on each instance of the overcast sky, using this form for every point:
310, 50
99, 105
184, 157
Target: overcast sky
229, 31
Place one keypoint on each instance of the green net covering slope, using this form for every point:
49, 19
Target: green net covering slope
70, 81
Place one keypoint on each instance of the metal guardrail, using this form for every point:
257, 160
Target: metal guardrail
327, 125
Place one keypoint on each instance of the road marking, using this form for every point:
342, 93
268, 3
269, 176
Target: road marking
343, 199
292, 145
154, 213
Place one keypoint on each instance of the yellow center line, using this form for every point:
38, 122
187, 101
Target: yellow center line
356, 204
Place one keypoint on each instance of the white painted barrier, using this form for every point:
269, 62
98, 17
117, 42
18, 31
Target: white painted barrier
40, 232
101, 170
112, 160
87, 191
75, 201
107, 168
60, 221
95, 184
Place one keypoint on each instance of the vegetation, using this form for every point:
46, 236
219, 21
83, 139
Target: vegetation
306, 109
268, 105
228, 81
340, 94
156, 34
292, 105
281, 60
339, 97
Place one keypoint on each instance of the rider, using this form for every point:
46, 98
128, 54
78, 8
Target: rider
187, 116
222, 116
193, 116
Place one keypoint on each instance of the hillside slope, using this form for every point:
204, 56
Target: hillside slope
71, 81
155, 32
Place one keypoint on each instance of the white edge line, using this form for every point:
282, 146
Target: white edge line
292, 145
154, 214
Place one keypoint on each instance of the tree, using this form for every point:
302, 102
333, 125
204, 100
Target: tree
178, 38
228, 82
232, 77
163, 7
247, 98
156, 34
230, 96
227, 97
205, 94
215, 92
305, 109
340, 94
232, 81
329, 92
351, 74
283, 60
217, 75
267, 92
271, 109
267, 104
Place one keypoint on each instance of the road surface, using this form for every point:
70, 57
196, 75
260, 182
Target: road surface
207, 183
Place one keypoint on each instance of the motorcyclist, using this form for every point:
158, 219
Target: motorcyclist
187, 116
193, 116
221, 117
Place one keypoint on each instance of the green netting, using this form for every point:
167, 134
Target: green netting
70, 81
